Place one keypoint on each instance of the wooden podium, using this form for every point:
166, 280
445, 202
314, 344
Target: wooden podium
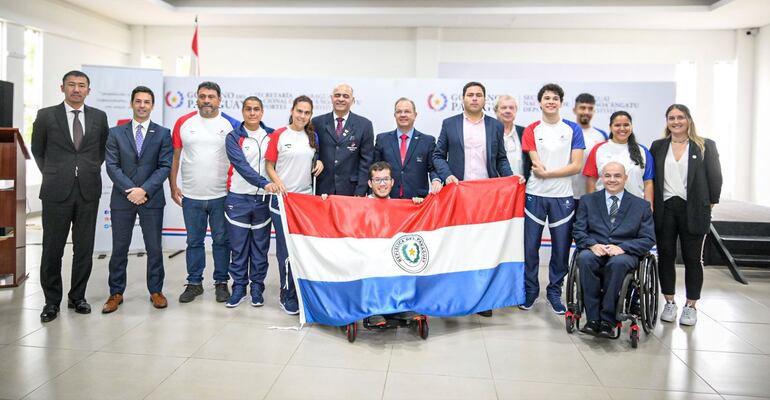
13, 211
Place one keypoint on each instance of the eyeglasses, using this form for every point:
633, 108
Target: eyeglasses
381, 181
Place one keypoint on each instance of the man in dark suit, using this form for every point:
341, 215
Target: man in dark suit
470, 145
410, 153
506, 109
346, 147
612, 230
68, 142
139, 155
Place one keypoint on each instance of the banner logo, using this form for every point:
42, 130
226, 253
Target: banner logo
437, 101
174, 99
410, 253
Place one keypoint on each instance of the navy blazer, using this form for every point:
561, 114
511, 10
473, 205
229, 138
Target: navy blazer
347, 160
449, 156
526, 161
634, 231
127, 169
417, 170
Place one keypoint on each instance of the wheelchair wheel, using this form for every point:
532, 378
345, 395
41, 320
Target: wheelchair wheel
625, 298
422, 328
351, 330
648, 282
574, 296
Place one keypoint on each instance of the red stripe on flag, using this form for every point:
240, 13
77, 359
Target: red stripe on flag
473, 202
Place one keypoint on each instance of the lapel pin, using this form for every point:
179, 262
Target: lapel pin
694, 156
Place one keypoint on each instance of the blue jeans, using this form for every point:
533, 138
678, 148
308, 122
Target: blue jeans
198, 214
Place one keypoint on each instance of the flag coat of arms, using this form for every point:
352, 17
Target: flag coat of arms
459, 252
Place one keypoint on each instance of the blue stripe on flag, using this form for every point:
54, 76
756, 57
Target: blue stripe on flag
442, 295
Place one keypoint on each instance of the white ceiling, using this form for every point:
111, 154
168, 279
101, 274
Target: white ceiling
517, 14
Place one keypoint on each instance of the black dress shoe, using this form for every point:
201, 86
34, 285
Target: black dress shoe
50, 312
80, 306
606, 329
591, 328
487, 313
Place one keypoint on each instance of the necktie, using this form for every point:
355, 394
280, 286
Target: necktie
338, 130
77, 130
403, 157
139, 140
613, 209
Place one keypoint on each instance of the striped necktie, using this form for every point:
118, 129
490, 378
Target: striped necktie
613, 209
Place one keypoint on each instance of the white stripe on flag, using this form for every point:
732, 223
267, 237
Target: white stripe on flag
451, 249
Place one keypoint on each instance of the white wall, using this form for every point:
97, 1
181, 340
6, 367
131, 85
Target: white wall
761, 138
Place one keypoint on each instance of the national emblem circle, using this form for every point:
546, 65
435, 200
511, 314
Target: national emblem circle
410, 253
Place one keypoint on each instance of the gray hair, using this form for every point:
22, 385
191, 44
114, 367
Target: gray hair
615, 163
414, 108
504, 97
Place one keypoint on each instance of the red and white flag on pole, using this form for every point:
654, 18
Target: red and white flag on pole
195, 68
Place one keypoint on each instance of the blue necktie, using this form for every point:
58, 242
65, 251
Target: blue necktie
139, 140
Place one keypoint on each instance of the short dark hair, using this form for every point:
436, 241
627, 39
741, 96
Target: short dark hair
252, 98
211, 86
142, 89
76, 73
550, 87
472, 84
585, 98
380, 166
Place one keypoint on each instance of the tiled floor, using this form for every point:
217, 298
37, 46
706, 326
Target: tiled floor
202, 350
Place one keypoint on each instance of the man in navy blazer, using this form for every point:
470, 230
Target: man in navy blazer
345, 147
612, 230
470, 145
410, 153
139, 156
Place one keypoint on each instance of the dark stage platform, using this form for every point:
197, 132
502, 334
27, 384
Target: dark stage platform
740, 237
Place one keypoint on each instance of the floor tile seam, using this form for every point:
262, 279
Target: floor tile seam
91, 353
585, 360
187, 359
742, 339
123, 334
213, 335
286, 364
489, 362
15, 341
760, 354
552, 382
696, 372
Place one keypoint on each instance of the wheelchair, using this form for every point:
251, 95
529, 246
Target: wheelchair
637, 300
417, 323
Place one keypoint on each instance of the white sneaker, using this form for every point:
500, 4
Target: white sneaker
689, 316
669, 312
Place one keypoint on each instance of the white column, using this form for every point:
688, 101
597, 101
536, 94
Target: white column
137, 45
744, 112
760, 188
427, 49
14, 69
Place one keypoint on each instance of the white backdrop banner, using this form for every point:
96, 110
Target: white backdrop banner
436, 99
111, 92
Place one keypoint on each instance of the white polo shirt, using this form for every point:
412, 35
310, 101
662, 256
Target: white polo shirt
591, 137
204, 162
554, 144
604, 153
293, 157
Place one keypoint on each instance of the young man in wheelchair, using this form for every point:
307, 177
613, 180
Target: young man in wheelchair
613, 229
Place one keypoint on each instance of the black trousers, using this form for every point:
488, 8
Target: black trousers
675, 226
58, 217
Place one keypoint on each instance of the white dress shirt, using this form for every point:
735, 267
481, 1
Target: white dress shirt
71, 118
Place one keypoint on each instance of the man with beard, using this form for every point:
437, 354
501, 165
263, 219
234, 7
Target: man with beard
584, 112
199, 147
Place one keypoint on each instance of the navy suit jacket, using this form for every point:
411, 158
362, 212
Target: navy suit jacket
127, 169
449, 156
347, 160
417, 170
634, 230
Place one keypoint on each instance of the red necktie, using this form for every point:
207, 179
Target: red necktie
338, 130
403, 157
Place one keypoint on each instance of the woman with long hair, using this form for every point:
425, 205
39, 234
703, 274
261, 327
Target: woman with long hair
291, 162
623, 148
687, 185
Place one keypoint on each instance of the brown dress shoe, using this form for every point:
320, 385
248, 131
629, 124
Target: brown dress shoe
112, 303
158, 300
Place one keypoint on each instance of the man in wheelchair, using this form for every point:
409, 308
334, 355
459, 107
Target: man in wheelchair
613, 229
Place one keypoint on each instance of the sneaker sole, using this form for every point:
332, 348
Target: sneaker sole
253, 304
233, 305
287, 311
687, 323
668, 320
525, 308
555, 311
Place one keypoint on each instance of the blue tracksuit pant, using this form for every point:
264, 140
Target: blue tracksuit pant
559, 213
288, 291
248, 228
